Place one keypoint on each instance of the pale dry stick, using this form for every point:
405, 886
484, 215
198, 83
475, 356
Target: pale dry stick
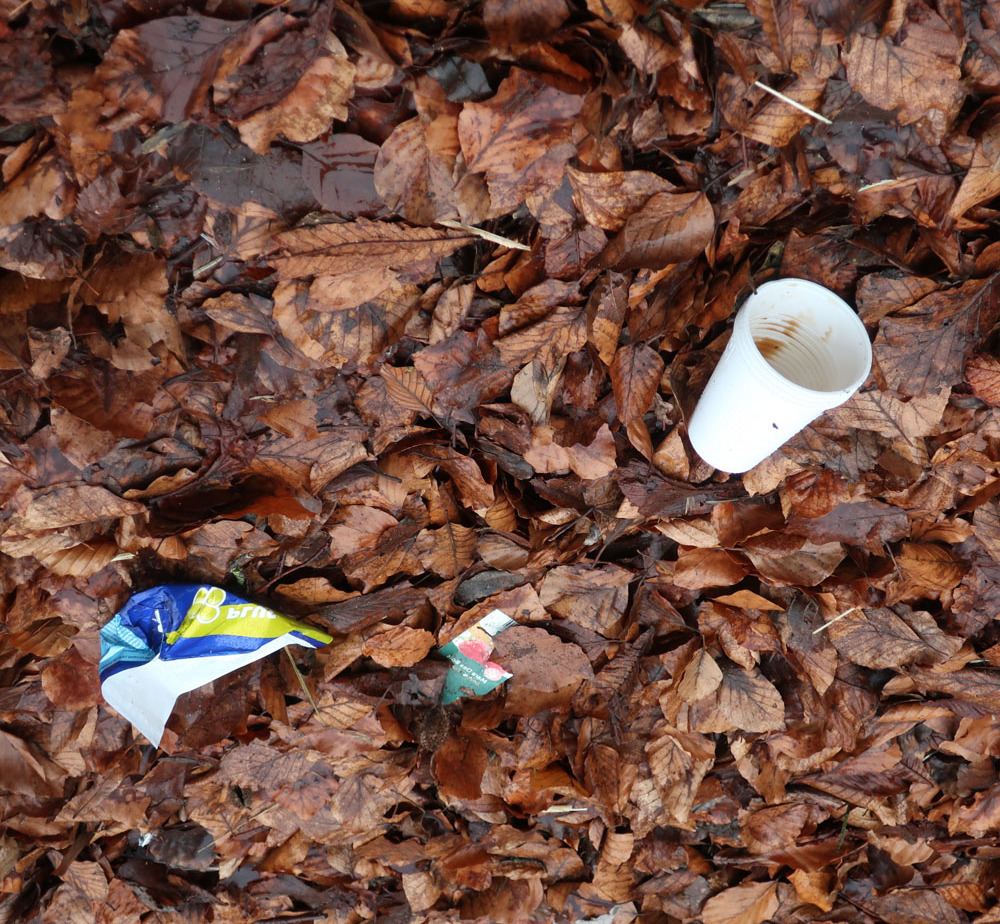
791, 102
305, 689
485, 235
17, 11
826, 625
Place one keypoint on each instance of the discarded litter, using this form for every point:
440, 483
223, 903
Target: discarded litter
797, 349
171, 639
472, 672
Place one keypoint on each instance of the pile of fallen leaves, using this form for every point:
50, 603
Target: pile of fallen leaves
389, 313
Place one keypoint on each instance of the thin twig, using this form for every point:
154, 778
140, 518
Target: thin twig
826, 625
791, 102
17, 11
485, 235
305, 689
205, 267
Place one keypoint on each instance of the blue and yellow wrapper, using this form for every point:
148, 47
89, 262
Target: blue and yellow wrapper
171, 639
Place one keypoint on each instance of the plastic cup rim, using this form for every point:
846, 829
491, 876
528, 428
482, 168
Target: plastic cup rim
742, 323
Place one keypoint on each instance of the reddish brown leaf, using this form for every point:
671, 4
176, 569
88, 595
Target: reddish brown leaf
501, 138
512, 21
745, 700
68, 506
669, 228
747, 904
398, 646
607, 199
982, 372
547, 672
591, 596
363, 257
918, 75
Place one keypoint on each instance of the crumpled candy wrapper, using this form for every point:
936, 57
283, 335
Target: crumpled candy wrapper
171, 639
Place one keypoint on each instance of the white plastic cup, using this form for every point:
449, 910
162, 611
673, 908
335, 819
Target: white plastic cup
796, 351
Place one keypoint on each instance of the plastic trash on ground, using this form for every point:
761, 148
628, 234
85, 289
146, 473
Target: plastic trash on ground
171, 639
797, 349
472, 672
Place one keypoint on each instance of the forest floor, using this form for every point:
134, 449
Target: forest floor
388, 314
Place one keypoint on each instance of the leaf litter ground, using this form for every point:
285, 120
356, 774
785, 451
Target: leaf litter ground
389, 314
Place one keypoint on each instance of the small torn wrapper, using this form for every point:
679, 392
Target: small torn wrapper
171, 639
472, 672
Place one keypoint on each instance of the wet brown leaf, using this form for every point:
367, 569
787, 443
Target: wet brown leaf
594, 597
744, 700
918, 75
747, 904
879, 638
669, 228
69, 506
501, 138
607, 199
357, 261
398, 646
512, 21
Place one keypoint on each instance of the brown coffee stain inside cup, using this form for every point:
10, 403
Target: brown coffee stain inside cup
769, 347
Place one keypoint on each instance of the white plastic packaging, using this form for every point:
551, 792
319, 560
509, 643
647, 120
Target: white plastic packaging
796, 351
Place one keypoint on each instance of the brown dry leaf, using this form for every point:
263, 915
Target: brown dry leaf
448, 550
813, 888
592, 596
43, 189
534, 389
69, 506
918, 76
504, 139
986, 526
309, 464
359, 260
780, 562
748, 600
26, 770
607, 199
701, 677
549, 340
776, 122
669, 228
414, 170
408, 389
597, 459
547, 672
296, 419
891, 415
982, 372
356, 527
319, 97
398, 646
982, 182
869, 524
746, 904
510, 22
922, 349
879, 638
699, 568
928, 570
745, 700
635, 378
913, 906
646, 50
473, 490
47, 349
83, 560
70, 682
